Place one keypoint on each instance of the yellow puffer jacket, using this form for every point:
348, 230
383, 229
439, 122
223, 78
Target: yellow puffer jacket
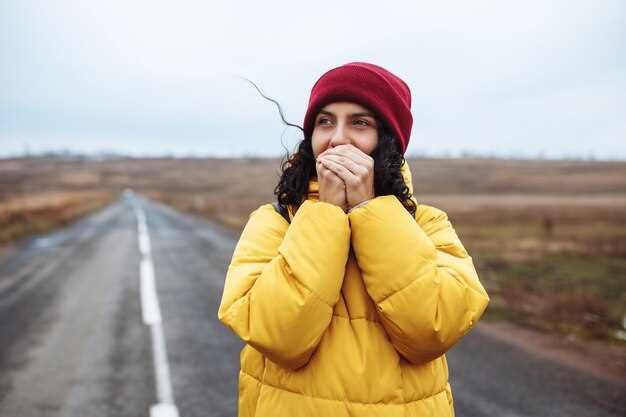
349, 314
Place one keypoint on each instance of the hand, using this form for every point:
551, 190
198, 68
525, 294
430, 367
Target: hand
355, 168
332, 189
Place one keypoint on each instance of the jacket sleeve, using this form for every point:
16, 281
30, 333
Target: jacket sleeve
284, 280
419, 275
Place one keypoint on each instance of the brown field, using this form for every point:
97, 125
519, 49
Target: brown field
548, 237
27, 214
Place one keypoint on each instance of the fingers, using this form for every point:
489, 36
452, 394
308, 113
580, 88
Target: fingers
352, 152
347, 163
341, 171
360, 165
323, 171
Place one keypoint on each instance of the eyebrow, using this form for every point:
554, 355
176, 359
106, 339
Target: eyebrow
361, 114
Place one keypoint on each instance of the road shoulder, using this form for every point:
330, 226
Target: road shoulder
597, 358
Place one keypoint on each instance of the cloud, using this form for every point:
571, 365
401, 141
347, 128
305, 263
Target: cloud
486, 76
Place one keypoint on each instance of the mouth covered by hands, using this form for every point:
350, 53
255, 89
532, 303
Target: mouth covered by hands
355, 168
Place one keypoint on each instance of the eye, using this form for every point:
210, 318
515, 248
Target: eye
323, 120
361, 122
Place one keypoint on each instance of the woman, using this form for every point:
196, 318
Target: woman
348, 304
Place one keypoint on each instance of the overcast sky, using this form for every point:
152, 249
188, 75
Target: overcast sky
502, 78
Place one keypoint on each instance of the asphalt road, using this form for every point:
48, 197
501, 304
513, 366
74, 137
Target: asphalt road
73, 341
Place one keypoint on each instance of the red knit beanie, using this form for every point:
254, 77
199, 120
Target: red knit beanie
370, 86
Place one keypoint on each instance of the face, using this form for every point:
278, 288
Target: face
342, 123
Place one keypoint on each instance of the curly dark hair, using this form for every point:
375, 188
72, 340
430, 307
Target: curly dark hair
298, 168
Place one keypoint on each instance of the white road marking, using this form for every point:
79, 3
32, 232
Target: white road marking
149, 301
152, 317
144, 243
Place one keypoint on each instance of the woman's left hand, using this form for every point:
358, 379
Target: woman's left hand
355, 168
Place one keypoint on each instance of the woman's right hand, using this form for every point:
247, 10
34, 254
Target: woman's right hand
332, 189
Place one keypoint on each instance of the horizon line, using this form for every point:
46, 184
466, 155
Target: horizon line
102, 154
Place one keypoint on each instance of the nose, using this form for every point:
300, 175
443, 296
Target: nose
339, 135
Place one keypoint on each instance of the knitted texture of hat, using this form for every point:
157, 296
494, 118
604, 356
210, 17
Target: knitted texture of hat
369, 85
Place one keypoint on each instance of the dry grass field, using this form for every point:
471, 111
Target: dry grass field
23, 215
548, 237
